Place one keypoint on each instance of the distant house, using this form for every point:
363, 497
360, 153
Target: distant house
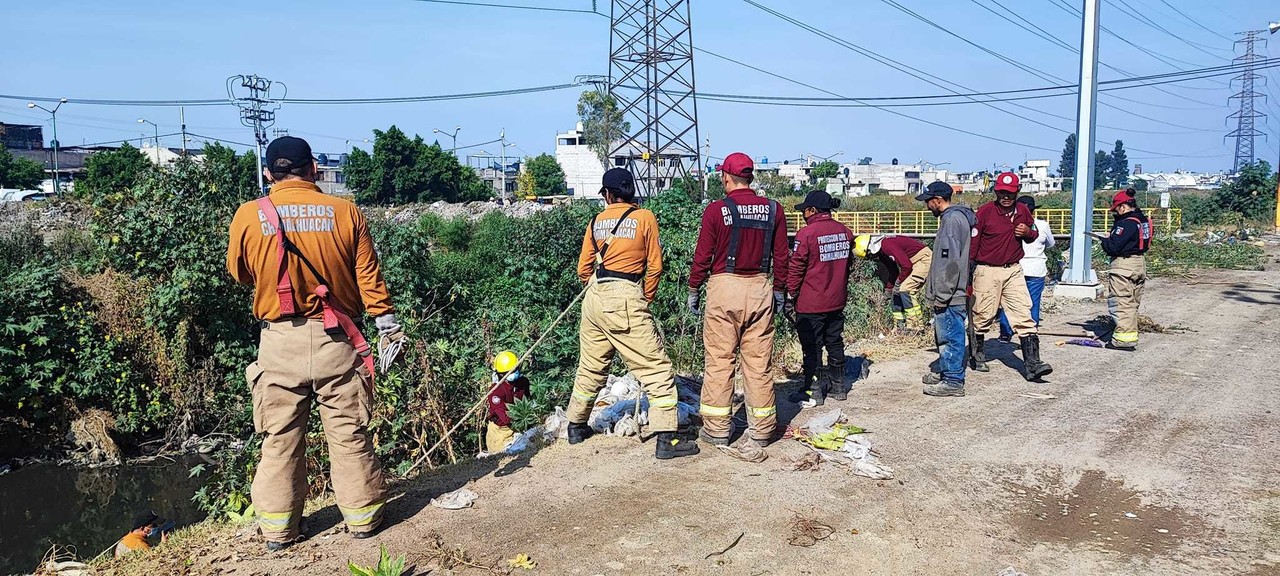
21, 136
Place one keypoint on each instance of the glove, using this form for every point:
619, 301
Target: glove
779, 300
789, 311
695, 299
387, 326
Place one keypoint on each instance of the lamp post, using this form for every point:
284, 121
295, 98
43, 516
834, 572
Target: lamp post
1275, 27
54, 115
453, 136
1079, 280
157, 136
365, 140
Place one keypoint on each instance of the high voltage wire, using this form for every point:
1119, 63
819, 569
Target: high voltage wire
513, 6
1194, 21
1062, 4
1136, 14
224, 101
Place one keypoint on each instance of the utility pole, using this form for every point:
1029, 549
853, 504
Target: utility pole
1275, 27
54, 115
706, 172
1246, 118
258, 101
182, 118
502, 168
1079, 280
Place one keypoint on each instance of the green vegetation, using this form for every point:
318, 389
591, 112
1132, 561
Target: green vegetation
602, 122
387, 566
1250, 198
19, 172
824, 169
403, 171
113, 171
547, 176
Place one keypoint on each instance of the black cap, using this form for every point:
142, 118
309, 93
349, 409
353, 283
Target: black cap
818, 200
147, 518
1028, 201
938, 189
287, 153
619, 181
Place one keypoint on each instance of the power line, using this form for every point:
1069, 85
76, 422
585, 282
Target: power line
1165, 59
514, 6
1194, 21
1136, 14
432, 98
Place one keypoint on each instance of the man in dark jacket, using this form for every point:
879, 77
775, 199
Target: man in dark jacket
946, 288
1129, 240
818, 287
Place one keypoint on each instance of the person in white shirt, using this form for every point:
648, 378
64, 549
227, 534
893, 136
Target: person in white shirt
1035, 267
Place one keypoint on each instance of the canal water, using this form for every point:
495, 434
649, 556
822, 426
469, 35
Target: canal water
86, 509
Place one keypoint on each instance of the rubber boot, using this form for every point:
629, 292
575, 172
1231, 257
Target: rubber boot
817, 393
1032, 367
803, 393
672, 445
839, 388
978, 360
579, 432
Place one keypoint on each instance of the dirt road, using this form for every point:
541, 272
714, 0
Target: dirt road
1162, 461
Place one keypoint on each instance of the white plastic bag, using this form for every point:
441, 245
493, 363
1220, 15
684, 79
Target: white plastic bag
456, 500
556, 425
822, 423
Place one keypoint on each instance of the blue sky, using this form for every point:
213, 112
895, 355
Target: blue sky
149, 49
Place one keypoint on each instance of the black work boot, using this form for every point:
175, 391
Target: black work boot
931, 378
803, 393
1032, 367
579, 432
978, 359
839, 388
672, 445
818, 393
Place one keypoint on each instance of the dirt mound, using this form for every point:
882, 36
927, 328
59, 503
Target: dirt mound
43, 217
470, 210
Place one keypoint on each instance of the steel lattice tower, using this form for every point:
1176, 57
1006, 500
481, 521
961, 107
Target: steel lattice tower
651, 79
1247, 116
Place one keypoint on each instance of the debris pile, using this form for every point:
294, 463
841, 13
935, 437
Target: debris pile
835, 440
410, 213
615, 414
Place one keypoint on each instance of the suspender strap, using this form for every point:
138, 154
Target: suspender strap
1144, 233
737, 223
336, 320
600, 250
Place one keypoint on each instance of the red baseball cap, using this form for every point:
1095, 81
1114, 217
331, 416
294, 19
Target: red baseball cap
1007, 182
1121, 197
738, 164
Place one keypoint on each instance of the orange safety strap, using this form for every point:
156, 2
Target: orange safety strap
336, 320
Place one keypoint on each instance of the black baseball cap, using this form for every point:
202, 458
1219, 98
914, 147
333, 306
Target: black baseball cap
619, 181
287, 153
147, 518
938, 189
1028, 201
819, 200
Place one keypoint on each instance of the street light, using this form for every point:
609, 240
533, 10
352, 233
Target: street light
157, 130
54, 115
1275, 27
365, 140
453, 136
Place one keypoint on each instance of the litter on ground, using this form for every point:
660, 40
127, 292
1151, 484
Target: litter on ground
456, 500
746, 450
835, 440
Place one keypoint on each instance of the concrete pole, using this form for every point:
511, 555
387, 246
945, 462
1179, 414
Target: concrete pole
1080, 275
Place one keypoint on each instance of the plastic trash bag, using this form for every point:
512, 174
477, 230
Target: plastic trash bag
522, 441
823, 423
556, 425
456, 500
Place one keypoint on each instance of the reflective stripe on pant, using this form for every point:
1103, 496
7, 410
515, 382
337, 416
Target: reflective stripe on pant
1125, 282
996, 287
816, 332
738, 321
616, 320
1035, 287
913, 310
298, 361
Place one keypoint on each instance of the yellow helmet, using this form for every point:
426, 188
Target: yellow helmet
860, 245
505, 362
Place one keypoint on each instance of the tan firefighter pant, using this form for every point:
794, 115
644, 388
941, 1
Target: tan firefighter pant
298, 361
616, 320
497, 438
1125, 281
996, 287
911, 286
738, 321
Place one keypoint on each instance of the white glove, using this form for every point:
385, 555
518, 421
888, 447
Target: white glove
387, 325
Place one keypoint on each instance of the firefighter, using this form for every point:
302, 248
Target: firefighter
900, 261
742, 240
1129, 240
1003, 227
818, 288
509, 385
621, 262
312, 263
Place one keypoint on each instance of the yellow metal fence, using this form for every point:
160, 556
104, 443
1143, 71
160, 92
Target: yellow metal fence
923, 223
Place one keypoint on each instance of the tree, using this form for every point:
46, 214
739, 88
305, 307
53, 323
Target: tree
1101, 164
824, 169
1067, 166
548, 177
1118, 166
602, 122
1252, 194
865, 161
19, 172
1141, 185
525, 185
402, 170
113, 171
773, 185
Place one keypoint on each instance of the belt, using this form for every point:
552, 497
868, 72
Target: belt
999, 265
605, 274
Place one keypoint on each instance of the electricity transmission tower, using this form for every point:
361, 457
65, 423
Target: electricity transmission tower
257, 99
651, 79
1246, 118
